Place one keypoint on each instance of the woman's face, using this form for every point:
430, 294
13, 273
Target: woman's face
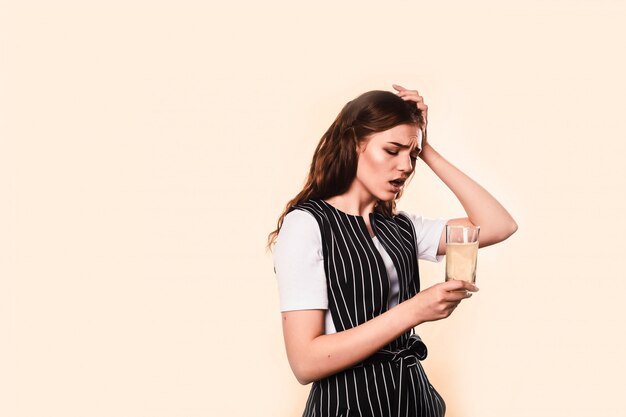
386, 159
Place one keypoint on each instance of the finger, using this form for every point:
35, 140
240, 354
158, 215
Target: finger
457, 284
456, 296
411, 95
398, 87
402, 90
405, 91
461, 284
416, 100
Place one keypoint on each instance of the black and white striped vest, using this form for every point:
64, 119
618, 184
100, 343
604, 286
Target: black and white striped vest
357, 281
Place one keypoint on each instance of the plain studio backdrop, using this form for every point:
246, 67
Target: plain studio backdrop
148, 148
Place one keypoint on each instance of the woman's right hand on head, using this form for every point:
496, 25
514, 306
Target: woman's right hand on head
440, 300
414, 96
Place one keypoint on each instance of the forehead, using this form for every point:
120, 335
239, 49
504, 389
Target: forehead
407, 135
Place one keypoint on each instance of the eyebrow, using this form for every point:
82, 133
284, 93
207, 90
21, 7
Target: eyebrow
401, 146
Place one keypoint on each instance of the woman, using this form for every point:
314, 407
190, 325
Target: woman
346, 261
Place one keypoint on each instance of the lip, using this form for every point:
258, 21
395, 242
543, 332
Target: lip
397, 187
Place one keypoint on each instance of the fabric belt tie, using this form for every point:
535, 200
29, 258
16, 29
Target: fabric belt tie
413, 350
408, 356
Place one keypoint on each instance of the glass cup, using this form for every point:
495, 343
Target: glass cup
461, 252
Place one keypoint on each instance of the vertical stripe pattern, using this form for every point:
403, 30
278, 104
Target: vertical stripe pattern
391, 382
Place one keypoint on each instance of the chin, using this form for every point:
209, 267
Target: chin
387, 198
385, 195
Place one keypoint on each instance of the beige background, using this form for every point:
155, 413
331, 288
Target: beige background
148, 147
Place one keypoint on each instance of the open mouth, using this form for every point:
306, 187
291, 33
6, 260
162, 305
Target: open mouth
397, 184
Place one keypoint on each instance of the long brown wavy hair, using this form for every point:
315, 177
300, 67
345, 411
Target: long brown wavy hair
335, 159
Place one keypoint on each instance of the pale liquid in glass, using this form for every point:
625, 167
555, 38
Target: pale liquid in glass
461, 261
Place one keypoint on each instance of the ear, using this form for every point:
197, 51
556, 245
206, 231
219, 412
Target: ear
361, 145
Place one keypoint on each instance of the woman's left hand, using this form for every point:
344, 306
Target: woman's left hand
413, 95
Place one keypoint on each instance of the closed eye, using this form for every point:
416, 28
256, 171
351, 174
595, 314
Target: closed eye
413, 157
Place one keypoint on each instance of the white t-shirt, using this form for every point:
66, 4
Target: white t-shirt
299, 261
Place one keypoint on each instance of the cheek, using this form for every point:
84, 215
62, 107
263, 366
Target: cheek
371, 163
375, 159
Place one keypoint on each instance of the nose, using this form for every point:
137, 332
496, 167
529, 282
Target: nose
405, 164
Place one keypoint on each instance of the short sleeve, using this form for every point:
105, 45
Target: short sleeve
427, 234
299, 263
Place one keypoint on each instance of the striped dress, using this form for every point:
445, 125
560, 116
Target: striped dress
392, 382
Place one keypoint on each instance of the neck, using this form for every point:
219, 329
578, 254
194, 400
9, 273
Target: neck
355, 201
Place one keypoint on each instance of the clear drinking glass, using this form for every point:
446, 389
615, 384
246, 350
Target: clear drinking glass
461, 252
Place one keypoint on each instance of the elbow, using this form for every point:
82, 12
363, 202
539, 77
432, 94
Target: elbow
508, 231
500, 234
309, 369
302, 375
305, 362
512, 228
303, 381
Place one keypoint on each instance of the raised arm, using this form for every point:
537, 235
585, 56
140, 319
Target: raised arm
482, 209
313, 355
496, 224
